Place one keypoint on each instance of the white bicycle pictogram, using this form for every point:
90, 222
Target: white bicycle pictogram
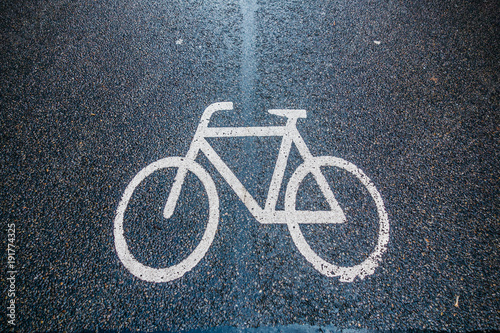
267, 215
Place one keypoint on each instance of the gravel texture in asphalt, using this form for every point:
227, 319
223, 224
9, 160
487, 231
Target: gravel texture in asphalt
94, 91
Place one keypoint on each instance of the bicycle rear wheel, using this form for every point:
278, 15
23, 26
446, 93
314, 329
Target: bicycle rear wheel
152, 274
345, 273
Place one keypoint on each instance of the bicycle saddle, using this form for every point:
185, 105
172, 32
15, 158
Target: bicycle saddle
288, 113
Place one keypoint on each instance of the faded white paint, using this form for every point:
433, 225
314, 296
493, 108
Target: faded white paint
266, 215
346, 274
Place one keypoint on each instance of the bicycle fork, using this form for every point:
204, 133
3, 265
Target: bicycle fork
175, 191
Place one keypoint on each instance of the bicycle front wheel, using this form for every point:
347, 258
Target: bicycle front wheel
345, 273
176, 271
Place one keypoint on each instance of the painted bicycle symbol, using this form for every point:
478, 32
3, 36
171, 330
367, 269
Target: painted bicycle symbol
267, 215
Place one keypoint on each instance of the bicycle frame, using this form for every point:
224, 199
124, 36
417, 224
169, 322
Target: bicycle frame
290, 134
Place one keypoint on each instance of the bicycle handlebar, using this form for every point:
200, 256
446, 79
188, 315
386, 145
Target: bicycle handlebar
212, 108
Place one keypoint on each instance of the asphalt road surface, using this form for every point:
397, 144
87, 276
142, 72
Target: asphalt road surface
92, 92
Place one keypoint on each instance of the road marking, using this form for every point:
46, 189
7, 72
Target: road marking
266, 215
346, 274
248, 61
174, 272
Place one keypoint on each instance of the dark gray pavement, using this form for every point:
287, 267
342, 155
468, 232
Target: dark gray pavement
93, 91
